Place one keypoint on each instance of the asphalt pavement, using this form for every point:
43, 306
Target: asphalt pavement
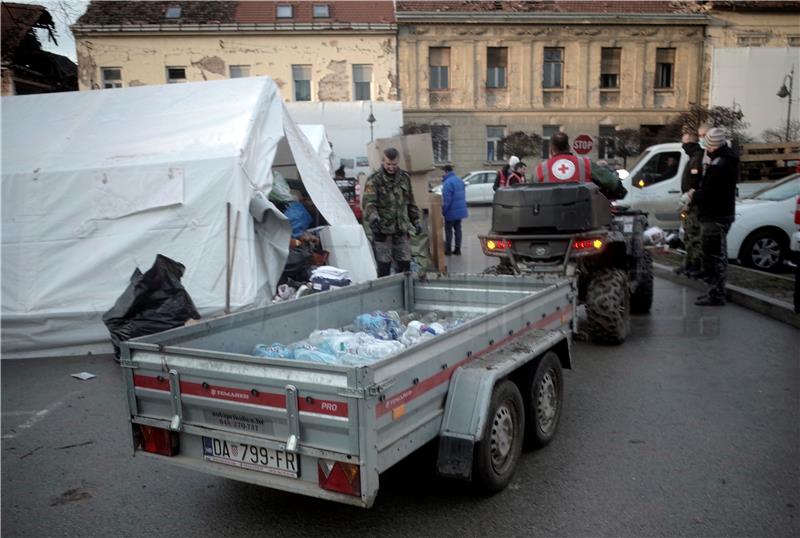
691, 428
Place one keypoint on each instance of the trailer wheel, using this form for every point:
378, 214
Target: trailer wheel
497, 453
607, 303
544, 411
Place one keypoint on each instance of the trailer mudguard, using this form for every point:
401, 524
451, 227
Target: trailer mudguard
470, 393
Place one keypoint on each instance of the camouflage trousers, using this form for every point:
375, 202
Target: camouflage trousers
715, 256
691, 239
390, 248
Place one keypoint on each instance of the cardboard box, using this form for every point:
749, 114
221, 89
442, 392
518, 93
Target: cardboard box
416, 152
419, 186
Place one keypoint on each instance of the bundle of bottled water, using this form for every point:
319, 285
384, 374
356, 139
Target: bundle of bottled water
376, 335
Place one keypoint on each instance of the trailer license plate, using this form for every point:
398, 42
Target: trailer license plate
253, 457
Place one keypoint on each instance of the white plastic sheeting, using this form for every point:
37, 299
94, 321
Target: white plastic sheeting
97, 183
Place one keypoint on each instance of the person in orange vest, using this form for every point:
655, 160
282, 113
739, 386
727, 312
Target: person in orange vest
564, 167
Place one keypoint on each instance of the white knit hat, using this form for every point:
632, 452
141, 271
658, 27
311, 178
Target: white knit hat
513, 161
715, 138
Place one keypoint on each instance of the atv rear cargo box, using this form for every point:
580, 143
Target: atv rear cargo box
550, 208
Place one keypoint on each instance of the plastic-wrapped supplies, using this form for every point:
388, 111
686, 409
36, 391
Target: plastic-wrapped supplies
382, 325
276, 351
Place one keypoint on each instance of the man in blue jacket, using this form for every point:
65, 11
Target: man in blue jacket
454, 209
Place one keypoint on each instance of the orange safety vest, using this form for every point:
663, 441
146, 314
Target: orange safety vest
565, 168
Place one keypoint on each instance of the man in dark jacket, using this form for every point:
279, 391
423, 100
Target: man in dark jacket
692, 175
716, 201
454, 209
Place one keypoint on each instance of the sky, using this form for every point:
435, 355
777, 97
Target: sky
64, 12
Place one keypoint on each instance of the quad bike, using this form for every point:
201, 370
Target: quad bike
571, 228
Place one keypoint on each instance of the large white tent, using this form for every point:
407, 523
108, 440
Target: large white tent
97, 183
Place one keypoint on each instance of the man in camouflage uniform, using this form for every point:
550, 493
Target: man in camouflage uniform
391, 213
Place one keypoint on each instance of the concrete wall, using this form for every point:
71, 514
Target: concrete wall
144, 59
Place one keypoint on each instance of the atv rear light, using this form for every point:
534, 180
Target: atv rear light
498, 244
156, 440
339, 476
587, 244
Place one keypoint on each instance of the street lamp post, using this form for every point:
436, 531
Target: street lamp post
783, 92
371, 120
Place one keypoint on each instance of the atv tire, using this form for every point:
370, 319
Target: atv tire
607, 303
642, 298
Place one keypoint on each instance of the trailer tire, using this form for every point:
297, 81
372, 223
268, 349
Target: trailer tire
546, 395
497, 453
642, 298
607, 304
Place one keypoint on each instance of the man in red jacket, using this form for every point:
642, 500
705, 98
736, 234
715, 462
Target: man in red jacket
563, 166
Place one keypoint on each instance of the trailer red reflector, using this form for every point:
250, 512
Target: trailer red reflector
339, 476
797, 212
156, 440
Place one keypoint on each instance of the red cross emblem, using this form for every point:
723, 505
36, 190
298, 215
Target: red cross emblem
563, 168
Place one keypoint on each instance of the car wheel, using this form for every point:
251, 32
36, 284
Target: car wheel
764, 250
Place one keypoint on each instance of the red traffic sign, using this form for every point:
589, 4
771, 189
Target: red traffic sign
582, 144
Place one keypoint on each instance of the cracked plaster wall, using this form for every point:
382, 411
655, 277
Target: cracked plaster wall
144, 59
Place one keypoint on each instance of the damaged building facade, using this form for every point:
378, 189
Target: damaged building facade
335, 51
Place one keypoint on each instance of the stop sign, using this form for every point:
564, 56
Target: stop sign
582, 144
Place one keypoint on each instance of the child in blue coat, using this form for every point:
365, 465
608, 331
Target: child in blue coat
454, 209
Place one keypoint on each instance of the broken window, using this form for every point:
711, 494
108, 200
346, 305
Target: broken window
322, 11
362, 82
301, 74
176, 74
547, 132
494, 148
496, 66
284, 12
553, 67
440, 134
439, 67
111, 77
606, 146
240, 71
665, 68
609, 67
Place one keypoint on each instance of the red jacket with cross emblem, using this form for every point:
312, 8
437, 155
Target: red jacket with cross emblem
564, 168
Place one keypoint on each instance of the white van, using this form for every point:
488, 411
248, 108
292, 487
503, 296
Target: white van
654, 184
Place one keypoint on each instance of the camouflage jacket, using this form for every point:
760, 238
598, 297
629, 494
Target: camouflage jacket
390, 199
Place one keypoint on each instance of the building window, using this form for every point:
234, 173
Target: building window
440, 134
240, 71
112, 77
362, 82
751, 40
793, 40
609, 67
665, 68
496, 65
494, 149
606, 145
553, 68
176, 74
322, 11
173, 12
301, 74
284, 12
439, 67
547, 132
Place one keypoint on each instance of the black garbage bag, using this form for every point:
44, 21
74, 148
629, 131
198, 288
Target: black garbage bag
298, 265
153, 302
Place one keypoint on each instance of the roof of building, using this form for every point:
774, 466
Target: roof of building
16, 20
105, 12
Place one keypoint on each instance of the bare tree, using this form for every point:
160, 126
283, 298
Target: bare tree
729, 119
522, 144
628, 143
411, 127
778, 134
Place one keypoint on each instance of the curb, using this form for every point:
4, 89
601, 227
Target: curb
758, 302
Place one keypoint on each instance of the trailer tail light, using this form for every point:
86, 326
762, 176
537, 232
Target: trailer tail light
797, 212
339, 476
498, 244
587, 245
156, 440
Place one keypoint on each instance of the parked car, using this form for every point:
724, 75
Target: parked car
478, 186
759, 237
